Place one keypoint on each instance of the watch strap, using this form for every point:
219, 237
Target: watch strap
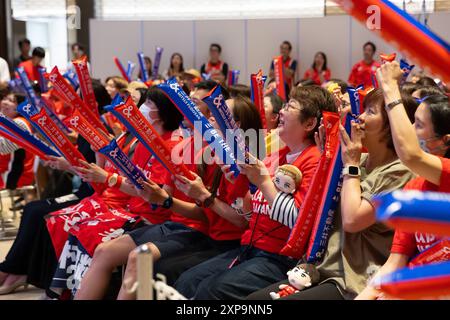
167, 203
394, 103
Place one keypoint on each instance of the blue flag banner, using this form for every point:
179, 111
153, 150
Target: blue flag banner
188, 108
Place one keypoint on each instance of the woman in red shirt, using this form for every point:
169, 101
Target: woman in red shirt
319, 71
423, 147
258, 262
20, 170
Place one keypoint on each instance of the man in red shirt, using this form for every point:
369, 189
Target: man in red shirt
363, 70
215, 68
31, 66
290, 65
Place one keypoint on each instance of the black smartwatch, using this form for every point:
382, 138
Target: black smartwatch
351, 171
167, 203
207, 203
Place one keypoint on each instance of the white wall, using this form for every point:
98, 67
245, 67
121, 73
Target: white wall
50, 34
247, 45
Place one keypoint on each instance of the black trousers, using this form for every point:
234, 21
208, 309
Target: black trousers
325, 291
32, 226
173, 266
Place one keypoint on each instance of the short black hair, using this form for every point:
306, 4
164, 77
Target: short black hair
169, 114
239, 89
38, 52
101, 95
143, 92
209, 85
79, 45
217, 46
20, 98
288, 44
276, 101
23, 41
369, 43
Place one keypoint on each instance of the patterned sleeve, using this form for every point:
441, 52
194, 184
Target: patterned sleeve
6, 146
284, 210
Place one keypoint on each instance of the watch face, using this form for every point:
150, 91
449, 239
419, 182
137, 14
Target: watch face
353, 170
112, 180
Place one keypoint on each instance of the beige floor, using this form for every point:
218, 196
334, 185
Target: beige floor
32, 293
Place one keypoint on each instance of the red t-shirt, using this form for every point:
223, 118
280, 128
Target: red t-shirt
27, 176
187, 145
313, 74
265, 233
410, 244
31, 70
4, 166
113, 197
219, 227
362, 73
155, 171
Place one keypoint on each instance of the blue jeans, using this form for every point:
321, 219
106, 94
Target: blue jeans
214, 280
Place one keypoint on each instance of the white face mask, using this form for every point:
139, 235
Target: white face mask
145, 109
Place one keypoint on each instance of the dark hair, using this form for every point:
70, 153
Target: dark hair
342, 84
369, 43
209, 85
150, 72
167, 111
38, 52
305, 82
288, 44
313, 100
4, 90
248, 115
36, 87
19, 97
143, 98
23, 41
429, 91
410, 87
427, 81
217, 46
276, 101
375, 97
324, 56
410, 105
79, 45
101, 95
440, 115
239, 89
171, 64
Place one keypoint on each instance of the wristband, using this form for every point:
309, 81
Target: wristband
112, 180
389, 106
207, 203
167, 203
118, 183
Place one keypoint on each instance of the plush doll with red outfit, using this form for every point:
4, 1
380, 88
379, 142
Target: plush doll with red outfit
302, 276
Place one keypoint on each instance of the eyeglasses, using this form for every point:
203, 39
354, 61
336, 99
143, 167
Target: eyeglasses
289, 105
